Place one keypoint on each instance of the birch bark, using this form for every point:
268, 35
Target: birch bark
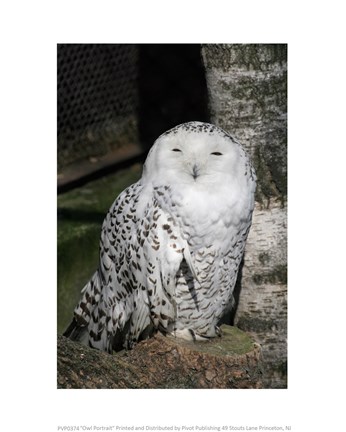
247, 87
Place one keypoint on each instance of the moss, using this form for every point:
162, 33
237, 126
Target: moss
233, 341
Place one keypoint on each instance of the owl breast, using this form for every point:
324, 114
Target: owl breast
206, 215
215, 227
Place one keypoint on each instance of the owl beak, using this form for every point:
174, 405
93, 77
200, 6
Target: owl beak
195, 171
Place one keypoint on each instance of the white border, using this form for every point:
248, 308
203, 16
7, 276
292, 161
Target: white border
30, 32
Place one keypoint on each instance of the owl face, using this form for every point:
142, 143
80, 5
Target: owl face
194, 153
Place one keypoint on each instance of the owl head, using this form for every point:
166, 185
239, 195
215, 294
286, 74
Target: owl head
195, 154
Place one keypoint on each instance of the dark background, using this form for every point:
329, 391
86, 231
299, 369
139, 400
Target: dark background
111, 96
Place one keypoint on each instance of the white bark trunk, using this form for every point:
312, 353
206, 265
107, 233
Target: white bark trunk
247, 94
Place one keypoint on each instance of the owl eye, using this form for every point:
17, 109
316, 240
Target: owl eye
216, 154
176, 150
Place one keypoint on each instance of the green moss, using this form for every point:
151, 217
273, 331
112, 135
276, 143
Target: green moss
80, 216
234, 341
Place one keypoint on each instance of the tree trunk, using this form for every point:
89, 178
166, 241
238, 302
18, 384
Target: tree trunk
232, 361
248, 98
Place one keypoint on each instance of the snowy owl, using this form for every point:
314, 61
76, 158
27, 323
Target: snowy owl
171, 244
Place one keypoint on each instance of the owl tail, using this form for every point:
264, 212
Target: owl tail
77, 333
78, 329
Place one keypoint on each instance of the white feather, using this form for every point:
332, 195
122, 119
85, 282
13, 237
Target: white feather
172, 243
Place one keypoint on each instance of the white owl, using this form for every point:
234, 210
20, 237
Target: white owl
171, 244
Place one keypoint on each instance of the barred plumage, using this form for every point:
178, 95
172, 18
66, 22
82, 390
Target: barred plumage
171, 244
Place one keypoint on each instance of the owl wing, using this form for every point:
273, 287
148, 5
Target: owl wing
133, 291
101, 318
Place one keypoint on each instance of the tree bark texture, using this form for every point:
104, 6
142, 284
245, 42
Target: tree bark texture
247, 87
231, 361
